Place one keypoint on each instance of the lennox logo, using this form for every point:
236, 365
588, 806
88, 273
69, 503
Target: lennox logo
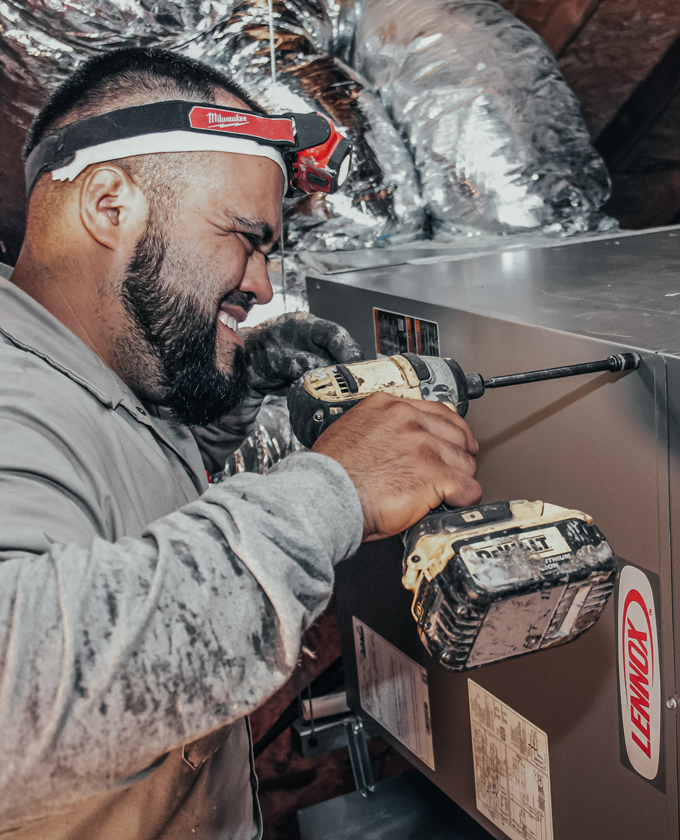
639, 672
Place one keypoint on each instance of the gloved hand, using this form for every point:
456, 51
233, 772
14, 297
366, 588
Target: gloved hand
278, 352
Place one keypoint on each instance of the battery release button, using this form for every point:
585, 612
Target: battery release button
479, 515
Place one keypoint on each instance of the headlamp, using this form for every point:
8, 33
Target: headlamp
312, 154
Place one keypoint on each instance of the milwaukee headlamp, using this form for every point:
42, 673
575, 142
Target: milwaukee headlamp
312, 154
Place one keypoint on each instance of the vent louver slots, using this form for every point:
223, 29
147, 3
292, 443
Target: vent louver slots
343, 387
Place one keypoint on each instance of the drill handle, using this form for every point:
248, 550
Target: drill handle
309, 416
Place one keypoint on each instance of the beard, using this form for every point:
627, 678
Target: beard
174, 346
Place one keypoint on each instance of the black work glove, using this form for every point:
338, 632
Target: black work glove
281, 350
278, 352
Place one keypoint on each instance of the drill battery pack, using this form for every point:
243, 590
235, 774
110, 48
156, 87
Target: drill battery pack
500, 580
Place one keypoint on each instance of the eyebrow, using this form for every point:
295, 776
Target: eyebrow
257, 227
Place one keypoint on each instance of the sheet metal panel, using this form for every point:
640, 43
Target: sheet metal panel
625, 289
600, 444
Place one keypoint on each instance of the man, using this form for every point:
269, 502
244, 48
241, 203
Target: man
143, 615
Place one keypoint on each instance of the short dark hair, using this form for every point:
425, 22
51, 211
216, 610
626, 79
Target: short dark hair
113, 75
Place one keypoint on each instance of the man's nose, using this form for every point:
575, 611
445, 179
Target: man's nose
256, 279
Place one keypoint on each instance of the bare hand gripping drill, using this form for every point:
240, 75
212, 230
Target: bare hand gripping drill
491, 581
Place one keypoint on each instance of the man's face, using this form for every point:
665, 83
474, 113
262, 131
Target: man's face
195, 273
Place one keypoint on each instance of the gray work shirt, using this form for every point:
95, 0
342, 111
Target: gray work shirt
142, 615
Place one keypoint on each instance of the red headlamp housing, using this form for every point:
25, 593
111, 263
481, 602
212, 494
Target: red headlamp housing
323, 168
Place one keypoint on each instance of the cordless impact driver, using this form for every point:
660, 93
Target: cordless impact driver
495, 580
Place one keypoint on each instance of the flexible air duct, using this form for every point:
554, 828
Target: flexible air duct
497, 135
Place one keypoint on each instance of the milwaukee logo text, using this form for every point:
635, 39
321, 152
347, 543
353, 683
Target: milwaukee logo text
639, 671
217, 118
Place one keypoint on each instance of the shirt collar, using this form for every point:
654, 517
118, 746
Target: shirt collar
31, 327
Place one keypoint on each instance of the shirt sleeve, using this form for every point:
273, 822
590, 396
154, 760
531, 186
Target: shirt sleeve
264, 428
114, 654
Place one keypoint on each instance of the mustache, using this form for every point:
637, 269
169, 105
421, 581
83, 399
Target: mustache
246, 300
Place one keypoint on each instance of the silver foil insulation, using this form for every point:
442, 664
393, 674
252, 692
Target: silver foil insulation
498, 139
380, 202
271, 441
496, 135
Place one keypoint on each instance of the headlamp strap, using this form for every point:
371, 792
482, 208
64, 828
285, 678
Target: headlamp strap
287, 132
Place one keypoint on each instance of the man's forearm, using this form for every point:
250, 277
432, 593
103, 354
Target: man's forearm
111, 656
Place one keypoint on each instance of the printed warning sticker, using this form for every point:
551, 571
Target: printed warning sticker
393, 690
512, 773
396, 333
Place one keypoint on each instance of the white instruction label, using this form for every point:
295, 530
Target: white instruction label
512, 772
393, 690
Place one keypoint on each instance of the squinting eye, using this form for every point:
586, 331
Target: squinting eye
255, 243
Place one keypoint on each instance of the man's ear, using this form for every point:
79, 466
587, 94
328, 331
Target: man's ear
113, 209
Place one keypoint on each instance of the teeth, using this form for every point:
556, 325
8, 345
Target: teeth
228, 321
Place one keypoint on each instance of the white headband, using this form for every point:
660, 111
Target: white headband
166, 141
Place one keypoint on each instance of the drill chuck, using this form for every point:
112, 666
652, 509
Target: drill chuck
475, 386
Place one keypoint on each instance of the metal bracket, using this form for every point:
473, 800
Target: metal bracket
358, 753
323, 735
